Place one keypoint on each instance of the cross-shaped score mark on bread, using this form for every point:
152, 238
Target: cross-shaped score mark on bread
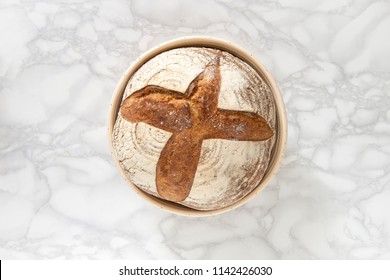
191, 117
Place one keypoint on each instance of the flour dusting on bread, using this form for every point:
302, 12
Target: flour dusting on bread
196, 127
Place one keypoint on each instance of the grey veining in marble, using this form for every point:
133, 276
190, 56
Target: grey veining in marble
62, 197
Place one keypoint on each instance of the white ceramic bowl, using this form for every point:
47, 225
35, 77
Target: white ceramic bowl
209, 42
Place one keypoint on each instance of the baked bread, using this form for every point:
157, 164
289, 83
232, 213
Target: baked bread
205, 142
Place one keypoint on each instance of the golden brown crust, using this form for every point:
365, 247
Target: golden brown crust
203, 91
177, 165
158, 107
237, 125
190, 117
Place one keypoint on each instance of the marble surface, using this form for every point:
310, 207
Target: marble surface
61, 197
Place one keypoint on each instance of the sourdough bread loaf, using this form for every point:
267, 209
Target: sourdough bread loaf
197, 127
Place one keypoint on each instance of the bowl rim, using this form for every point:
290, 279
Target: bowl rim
217, 43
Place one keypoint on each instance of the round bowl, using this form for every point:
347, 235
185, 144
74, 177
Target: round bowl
209, 42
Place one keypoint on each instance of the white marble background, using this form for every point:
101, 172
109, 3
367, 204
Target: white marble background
62, 197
